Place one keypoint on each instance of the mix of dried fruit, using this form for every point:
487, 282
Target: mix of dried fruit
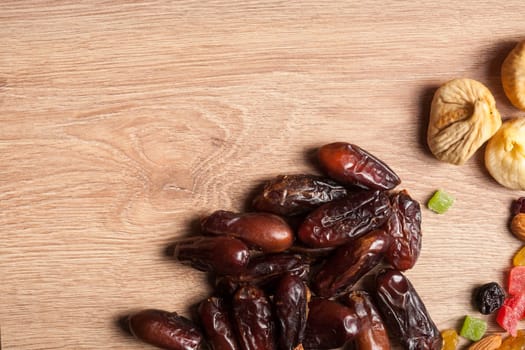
263, 269
463, 116
266, 270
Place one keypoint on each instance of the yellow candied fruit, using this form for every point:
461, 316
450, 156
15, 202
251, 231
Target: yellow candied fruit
514, 343
450, 339
519, 258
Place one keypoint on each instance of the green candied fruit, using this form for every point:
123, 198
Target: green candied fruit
440, 202
473, 328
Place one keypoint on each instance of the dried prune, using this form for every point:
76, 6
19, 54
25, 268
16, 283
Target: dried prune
266, 231
216, 322
253, 318
404, 226
489, 298
349, 263
404, 312
372, 334
223, 255
330, 324
166, 330
291, 305
297, 194
350, 164
338, 222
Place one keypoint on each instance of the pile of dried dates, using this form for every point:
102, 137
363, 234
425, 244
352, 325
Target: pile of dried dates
285, 274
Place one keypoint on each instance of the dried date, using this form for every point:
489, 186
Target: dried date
349, 263
372, 334
223, 255
266, 231
253, 318
291, 307
350, 164
404, 312
165, 330
338, 222
297, 194
404, 226
330, 324
264, 270
312, 253
215, 320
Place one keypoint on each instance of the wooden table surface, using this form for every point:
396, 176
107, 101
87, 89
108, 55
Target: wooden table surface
122, 122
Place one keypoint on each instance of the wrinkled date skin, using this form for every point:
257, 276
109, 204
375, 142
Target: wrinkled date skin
297, 194
264, 270
253, 319
350, 164
338, 222
291, 308
266, 231
223, 255
404, 226
404, 312
373, 335
165, 330
312, 253
349, 263
330, 324
215, 320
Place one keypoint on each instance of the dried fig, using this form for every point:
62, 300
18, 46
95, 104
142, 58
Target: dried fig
505, 154
513, 76
463, 116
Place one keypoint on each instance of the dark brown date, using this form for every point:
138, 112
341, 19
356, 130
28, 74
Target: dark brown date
404, 312
404, 226
311, 253
372, 335
350, 164
266, 231
264, 267
291, 307
264, 271
330, 324
165, 330
215, 320
338, 222
349, 263
297, 194
223, 255
253, 319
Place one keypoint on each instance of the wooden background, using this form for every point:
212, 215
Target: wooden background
124, 121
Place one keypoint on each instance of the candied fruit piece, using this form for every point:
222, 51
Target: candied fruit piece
489, 297
517, 280
440, 202
473, 328
511, 312
514, 343
450, 339
519, 258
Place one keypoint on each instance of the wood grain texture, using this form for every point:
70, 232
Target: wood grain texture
124, 121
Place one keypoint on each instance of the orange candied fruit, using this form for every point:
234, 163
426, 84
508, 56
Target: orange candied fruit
514, 343
450, 339
519, 258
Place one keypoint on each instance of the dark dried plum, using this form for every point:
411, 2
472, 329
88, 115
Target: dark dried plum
489, 298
